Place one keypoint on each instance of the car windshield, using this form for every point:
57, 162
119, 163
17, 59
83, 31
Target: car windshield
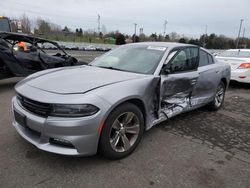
235, 54
137, 58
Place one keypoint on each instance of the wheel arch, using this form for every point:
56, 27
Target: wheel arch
4, 64
224, 80
133, 100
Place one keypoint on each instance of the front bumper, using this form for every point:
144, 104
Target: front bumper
241, 75
82, 132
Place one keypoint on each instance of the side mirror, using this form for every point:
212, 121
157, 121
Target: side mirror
166, 69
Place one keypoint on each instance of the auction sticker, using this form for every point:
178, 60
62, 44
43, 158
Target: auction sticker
160, 48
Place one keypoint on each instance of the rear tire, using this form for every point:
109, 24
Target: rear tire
122, 131
218, 98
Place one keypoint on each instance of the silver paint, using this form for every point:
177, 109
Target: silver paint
160, 96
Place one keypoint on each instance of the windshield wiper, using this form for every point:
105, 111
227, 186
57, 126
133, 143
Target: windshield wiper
112, 68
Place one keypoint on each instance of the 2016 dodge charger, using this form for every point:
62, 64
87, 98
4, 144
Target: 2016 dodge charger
108, 104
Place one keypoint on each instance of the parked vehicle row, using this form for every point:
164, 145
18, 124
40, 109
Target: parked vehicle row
78, 47
88, 48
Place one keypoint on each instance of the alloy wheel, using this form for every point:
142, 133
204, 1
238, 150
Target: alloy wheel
124, 132
219, 96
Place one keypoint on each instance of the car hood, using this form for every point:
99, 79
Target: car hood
79, 79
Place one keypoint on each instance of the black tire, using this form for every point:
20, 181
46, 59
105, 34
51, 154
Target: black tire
214, 106
122, 111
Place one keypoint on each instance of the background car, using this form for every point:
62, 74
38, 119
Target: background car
22, 55
107, 105
239, 60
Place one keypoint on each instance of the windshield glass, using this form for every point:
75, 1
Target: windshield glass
138, 58
4, 25
235, 54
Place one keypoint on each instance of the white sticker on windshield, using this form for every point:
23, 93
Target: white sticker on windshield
156, 48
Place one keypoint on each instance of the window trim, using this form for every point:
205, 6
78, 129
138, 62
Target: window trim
211, 58
178, 50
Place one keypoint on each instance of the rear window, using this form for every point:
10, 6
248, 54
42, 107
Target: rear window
203, 59
211, 59
235, 54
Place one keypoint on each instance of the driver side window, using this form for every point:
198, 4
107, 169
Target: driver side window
185, 60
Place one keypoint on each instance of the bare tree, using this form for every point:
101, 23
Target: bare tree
13, 25
43, 27
104, 29
55, 28
174, 36
25, 22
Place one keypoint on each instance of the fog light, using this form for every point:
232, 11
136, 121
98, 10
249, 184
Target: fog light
62, 142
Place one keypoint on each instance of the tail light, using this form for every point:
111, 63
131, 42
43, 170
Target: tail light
244, 66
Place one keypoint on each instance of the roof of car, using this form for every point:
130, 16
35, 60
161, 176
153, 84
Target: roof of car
163, 44
170, 45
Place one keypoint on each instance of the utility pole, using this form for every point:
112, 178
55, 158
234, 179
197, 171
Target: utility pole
99, 23
243, 36
238, 39
205, 37
165, 25
135, 31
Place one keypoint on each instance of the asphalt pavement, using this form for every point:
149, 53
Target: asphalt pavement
196, 149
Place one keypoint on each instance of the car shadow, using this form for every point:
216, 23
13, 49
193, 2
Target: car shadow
238, 85
34, 154
7, 84
201, 126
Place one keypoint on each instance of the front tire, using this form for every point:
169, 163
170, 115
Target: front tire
219, 97
122, 131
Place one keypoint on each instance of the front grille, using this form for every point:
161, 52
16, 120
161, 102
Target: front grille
42, 109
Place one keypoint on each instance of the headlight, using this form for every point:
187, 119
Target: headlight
73, 110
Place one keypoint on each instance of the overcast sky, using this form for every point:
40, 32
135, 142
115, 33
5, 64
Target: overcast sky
188, 17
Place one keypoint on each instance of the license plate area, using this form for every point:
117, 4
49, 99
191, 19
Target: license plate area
20, 118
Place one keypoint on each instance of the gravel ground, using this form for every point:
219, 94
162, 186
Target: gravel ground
195, 149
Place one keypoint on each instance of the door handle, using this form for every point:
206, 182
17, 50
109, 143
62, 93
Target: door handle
193, 81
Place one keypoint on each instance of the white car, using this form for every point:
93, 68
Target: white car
239, 60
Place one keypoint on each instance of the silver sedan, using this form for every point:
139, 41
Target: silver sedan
107, 105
